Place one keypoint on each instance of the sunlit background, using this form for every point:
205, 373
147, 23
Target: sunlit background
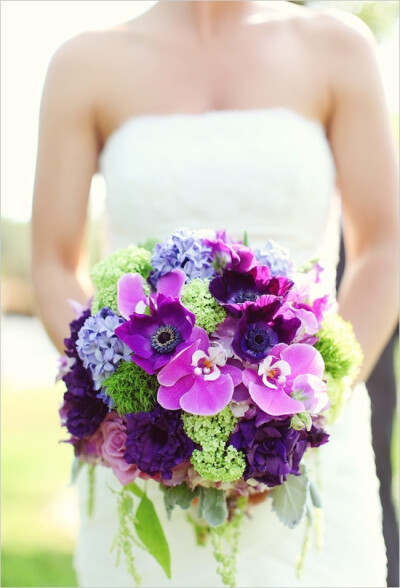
38, 507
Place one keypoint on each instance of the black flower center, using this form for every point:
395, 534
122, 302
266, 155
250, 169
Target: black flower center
165, 339
259, 340
245, 295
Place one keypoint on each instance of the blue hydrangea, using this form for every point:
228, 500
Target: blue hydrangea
99, 347
182, 250
277, 258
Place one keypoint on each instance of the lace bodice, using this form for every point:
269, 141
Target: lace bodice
268, 172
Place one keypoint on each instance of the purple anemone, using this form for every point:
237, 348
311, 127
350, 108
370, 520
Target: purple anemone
155, 337
235, 290
260, 329
197, 379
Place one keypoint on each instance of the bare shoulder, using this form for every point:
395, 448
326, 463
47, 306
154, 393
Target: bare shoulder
344, 44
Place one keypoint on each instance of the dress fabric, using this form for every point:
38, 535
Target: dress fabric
271, 173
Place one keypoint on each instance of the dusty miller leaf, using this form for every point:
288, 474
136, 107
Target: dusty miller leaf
289, 499
212, 506
177, 495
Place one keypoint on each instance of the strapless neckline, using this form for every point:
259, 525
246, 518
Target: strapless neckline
233, 113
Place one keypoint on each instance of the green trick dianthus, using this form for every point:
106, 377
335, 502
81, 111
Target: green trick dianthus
106, 273
339, 347
339, 391
131, 388
196, 296
218, 461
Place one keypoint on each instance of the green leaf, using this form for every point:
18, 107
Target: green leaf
149, 244
177, 495
289, 499
75, 469
212, 506
150, 532
134, 488
245, 239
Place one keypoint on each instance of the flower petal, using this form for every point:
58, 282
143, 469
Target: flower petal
130, 293
274, 402
208, 398
169, 397
171, 283
178, 367
303, 359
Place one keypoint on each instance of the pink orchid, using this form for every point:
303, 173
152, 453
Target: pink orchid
131, 297
289, 381
197, 379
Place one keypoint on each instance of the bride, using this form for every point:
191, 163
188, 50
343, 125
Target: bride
248, 116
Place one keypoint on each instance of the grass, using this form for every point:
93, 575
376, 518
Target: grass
37, 534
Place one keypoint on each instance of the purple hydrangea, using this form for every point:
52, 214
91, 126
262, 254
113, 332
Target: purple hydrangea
182, 250
273, 450
156, 441
81, 412
277, 258
99, 347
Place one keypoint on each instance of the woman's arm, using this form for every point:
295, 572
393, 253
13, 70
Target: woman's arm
66, 161
362, 144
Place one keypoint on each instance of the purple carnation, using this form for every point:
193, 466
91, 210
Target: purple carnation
99, 347
156, 441
82, 412
182, 250
272, 448
75, 326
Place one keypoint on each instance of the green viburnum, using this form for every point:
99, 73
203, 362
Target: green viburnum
106, 273
339, 347
196, 296
217, 461
131, 388
105, 298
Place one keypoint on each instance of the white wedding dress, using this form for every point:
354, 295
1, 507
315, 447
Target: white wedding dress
271, 173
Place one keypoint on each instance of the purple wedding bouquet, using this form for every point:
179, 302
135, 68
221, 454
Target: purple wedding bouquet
210, 368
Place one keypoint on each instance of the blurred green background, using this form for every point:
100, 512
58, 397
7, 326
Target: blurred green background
39, 508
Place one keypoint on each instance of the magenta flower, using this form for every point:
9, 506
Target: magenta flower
155, 337
197, 379
236, 290
131, 297
289, 381
231, 255
261, 328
